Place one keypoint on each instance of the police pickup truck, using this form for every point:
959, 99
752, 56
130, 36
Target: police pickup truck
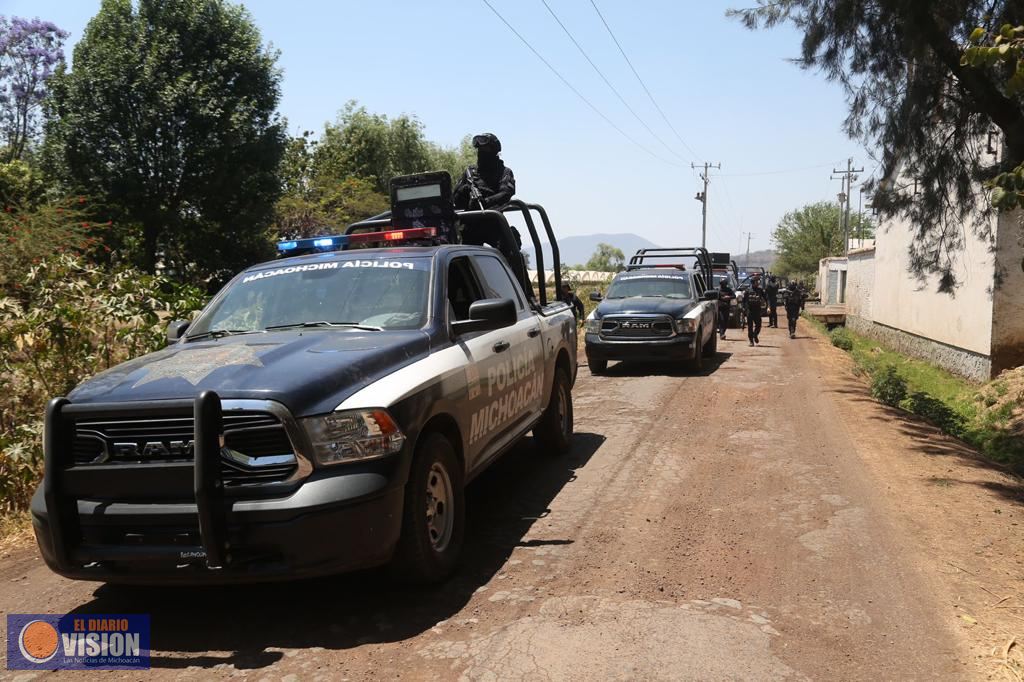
322, 414
656, 310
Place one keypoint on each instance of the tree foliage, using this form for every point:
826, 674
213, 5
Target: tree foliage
170, 116
606, 258
911, 97
805, 236
1005, 48
64, 320
30, 51
375, 148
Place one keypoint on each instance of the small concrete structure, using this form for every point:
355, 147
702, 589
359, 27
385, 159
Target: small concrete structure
832, 279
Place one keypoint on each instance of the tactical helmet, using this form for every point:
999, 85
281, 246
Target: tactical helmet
487, 140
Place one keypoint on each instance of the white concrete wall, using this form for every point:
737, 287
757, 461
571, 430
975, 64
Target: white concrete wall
1008, 296
860, 283
899, 300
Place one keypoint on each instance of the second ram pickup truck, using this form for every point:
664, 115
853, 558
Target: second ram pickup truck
656, 310
322, 414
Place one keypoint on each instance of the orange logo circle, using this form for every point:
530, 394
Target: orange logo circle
38, 641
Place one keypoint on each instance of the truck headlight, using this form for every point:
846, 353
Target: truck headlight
353, 436
592, 325
686, 325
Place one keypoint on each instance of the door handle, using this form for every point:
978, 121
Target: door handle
501, 346
533, 333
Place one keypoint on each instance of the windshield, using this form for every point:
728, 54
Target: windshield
666, 286
719, 276
386, 292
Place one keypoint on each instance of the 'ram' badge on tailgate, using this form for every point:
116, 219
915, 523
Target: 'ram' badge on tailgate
195, 365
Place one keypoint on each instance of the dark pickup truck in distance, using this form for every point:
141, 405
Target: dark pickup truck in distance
655, 311
322, 414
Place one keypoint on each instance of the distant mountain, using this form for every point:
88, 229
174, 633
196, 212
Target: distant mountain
765, 259
578, 250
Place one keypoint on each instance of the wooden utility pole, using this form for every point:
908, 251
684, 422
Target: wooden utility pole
702, 197
847, 176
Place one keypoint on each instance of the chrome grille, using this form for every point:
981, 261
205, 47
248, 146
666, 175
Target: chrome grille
637, 327
260, 440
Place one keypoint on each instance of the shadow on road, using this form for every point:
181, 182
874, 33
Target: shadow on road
665, 368
346, 611
929, 439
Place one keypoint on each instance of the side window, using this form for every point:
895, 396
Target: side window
463, 289
496, 280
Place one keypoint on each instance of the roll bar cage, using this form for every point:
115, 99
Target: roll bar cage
699, 254
491, 227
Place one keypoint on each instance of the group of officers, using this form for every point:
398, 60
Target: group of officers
490, 183
755, 300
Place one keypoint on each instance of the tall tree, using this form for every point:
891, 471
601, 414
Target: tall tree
606, 258
170, 115
912, 98
30, 52
811, 233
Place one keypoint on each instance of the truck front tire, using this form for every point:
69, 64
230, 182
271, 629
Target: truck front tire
597, 366
433, 515
711, 347
696, 363
553, 432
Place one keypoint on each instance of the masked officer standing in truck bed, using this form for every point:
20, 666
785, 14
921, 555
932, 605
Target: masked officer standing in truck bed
489, 183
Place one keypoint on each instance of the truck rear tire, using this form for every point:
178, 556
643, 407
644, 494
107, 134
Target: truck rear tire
597, 366
433, 515
553, 432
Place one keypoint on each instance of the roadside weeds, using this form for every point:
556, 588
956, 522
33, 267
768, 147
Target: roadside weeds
989, 417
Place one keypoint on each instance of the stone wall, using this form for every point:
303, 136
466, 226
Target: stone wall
965, 363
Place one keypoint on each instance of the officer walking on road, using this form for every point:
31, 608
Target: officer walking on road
489, 183
569, 296
725, 298
754, 301
794, 304
771, 292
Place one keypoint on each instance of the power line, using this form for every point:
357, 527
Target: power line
608, 83
573, 89
776, 172
641, 80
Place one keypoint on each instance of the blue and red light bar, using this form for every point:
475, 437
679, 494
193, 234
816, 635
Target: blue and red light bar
341, 242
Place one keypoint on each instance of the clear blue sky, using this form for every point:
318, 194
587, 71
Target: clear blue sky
729, 92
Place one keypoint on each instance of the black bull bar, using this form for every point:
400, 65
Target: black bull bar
64, 484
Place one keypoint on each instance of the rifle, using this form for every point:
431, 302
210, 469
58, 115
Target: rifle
474, 191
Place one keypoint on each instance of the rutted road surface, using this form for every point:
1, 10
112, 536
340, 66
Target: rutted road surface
720, 526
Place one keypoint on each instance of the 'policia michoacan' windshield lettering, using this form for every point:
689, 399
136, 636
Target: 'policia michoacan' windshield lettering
385, 293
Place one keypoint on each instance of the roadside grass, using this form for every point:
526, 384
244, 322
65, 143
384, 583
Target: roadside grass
989, 417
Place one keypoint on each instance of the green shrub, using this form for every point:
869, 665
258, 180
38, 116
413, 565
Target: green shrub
937, 412
841, 339
888, 387
65, 321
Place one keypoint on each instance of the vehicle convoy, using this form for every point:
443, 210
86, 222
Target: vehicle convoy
323, 413
656, 310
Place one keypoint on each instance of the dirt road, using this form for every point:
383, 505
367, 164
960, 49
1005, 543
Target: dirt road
762, 520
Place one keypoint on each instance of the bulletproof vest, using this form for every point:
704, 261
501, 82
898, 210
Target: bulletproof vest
754, 298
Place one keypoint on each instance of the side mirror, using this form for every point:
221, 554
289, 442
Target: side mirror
596, 296
711, 295
176, 329
487, 315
